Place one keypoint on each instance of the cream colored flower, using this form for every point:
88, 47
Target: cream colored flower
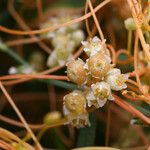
60, 40
62, 55
93, 46
21, 70
98, 65
98, 94
52, 60
77, 36
116, 80
74, 108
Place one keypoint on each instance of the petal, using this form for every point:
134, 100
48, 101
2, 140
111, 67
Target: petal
111, 98
124, 86
95, 39
84, 43
101, 103
126, 76
65, 111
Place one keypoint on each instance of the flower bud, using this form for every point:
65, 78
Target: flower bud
129, 24
52, 117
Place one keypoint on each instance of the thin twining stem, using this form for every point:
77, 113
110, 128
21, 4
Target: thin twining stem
20, 116
17, 32
96, 21
33, 76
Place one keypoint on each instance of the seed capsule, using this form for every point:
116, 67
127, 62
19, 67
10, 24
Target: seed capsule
76, 72
98, 65
74, 109
75, 102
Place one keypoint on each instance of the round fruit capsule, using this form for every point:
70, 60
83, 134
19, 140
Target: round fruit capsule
76, 72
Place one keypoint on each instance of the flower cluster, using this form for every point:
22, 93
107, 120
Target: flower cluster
64, 40
97, 76
36, 64
22, 69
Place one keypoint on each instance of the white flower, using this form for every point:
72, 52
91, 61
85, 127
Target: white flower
62, 55
52, 60
70, 46
93, 46
12, 70
116, 80
50, 22
26, 70
60, 40
98, 94
77, 36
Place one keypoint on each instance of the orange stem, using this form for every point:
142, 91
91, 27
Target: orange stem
131, 109
17, 32
38, 76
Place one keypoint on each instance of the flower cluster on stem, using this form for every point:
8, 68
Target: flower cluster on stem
97, 76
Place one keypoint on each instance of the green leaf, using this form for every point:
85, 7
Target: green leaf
4, 48
86, 135
63, 84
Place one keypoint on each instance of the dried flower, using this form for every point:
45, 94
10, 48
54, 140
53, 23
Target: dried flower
74, 108
98, 94
116, 80
76, 72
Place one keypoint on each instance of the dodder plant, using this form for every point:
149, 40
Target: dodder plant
96, 77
